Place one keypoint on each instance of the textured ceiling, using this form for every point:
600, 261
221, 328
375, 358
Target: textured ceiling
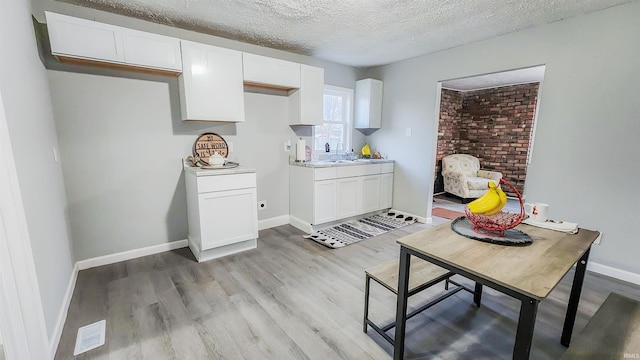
353, 32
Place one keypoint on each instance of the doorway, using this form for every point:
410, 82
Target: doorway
491, 117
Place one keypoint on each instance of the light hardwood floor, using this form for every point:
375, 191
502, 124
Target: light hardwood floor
294, 299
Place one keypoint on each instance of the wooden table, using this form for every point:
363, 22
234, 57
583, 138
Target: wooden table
527, 273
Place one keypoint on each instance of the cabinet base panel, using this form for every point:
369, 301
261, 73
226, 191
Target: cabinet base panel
210, 254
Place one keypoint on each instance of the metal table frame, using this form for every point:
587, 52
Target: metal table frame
528, 307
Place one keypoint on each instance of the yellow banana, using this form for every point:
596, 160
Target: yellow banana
366, 150
503, 202
486, 202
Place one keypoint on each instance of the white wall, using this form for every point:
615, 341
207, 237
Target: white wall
126, 188
586, 158
27, 106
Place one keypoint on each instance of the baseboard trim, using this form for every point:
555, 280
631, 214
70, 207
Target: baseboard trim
614, 273
300, 224
54, 341
273, 222
131, 254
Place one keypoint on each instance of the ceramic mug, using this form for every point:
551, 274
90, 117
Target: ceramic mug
537, 211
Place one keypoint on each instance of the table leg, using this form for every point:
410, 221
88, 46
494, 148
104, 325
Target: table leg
526, 323
401, 308
574, 298
477, 294
366, 303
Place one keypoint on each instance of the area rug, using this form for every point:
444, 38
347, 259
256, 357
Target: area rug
446, 213
357, 230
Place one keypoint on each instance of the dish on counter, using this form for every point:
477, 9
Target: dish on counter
228, 165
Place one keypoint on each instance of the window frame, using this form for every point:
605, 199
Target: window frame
348, 97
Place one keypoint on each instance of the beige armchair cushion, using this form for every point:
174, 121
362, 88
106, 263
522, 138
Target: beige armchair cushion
463, 177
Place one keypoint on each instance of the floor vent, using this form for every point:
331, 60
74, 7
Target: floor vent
90, 337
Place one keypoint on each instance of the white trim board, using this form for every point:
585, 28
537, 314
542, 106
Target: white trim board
614, 272
130, 254
62, 315
21, 311
273, 222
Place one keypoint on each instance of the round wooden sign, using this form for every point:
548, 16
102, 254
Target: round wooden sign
208, 143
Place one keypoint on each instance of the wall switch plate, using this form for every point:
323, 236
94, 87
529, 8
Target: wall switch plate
287, 145
408, 131
230, 146
262, 204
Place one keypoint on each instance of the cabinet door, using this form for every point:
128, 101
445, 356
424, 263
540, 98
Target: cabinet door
370, 193
151, 50
211, 87
324, 204
306, 103
386, 190
264, 70
228, 217
86, 39
368, 109
347, 200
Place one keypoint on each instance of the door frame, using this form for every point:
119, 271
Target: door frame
21, 314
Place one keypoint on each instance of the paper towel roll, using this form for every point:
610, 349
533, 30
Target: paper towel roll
300, 152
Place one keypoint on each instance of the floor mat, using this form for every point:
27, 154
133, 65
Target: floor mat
357, 230
446, 213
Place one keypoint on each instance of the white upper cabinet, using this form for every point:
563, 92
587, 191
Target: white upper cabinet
96, 42
305, 104
146, 49
211, 86
368, 109
270, 72
70, 36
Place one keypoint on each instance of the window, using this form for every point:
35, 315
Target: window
337, 117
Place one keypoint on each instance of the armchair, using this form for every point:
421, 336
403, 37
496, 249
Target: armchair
463, 177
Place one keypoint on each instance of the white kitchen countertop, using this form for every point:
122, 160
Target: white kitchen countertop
222, 171
316, 164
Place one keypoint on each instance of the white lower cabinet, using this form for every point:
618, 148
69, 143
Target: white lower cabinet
348, 197
324, 209
386, 190
319, 195
222, 212
370, 194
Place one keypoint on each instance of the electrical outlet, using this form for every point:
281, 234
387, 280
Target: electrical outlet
287, 145
262, 204
598, 239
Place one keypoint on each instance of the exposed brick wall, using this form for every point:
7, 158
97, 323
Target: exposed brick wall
495, 126
448, 135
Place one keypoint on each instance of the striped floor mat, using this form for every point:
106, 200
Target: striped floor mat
357, 230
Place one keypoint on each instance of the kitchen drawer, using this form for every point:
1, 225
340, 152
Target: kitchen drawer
324, 173
387, 168
225, 182
358, 170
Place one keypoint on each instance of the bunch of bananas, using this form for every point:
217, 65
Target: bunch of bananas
490, 203
366, 151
